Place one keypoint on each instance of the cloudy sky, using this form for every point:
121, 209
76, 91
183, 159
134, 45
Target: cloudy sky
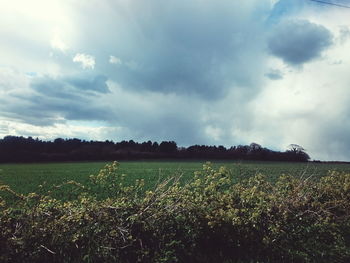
210, 72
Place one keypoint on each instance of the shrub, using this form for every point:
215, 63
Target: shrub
210, 219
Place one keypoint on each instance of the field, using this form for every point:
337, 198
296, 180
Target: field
204, 218
25, 178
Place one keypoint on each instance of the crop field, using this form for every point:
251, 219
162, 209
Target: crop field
26, 178
109, 216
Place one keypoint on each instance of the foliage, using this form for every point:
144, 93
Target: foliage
25, 178
20, 149
208, 219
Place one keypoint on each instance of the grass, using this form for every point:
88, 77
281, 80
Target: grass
25, 178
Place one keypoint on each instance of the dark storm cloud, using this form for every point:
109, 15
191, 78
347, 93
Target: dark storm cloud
70, 86
95, 83
189, 47
299, 41
52, 100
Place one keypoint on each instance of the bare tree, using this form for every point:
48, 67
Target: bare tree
296, 148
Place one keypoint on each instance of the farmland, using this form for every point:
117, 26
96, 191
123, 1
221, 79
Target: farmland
25, 178
211, 215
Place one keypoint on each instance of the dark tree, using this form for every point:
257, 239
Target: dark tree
20, 149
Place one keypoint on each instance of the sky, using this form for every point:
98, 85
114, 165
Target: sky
228, 72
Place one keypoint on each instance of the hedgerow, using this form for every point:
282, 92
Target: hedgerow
209, 219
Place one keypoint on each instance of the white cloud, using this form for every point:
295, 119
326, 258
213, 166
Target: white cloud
28, 32
58, 43
87, 61
215, 133
66, 130
115, 60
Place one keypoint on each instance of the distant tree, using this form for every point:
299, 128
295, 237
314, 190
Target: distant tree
253, 147
242, 150
58, 141
18, 148
155, 147
146, 146
297, 153
295, 148
168, 147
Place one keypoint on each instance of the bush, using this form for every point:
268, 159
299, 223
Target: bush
210, 219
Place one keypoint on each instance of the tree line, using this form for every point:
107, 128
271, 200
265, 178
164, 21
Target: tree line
21, 149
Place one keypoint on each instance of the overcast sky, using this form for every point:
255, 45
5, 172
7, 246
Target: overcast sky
210, 72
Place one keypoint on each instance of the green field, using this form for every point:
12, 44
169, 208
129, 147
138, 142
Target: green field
25, 178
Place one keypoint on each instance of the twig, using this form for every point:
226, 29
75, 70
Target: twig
48, 250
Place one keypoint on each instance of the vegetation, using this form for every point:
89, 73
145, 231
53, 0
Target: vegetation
20, 149
211, 218
25, 178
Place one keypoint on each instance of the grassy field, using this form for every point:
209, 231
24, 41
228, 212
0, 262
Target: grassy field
25, 178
